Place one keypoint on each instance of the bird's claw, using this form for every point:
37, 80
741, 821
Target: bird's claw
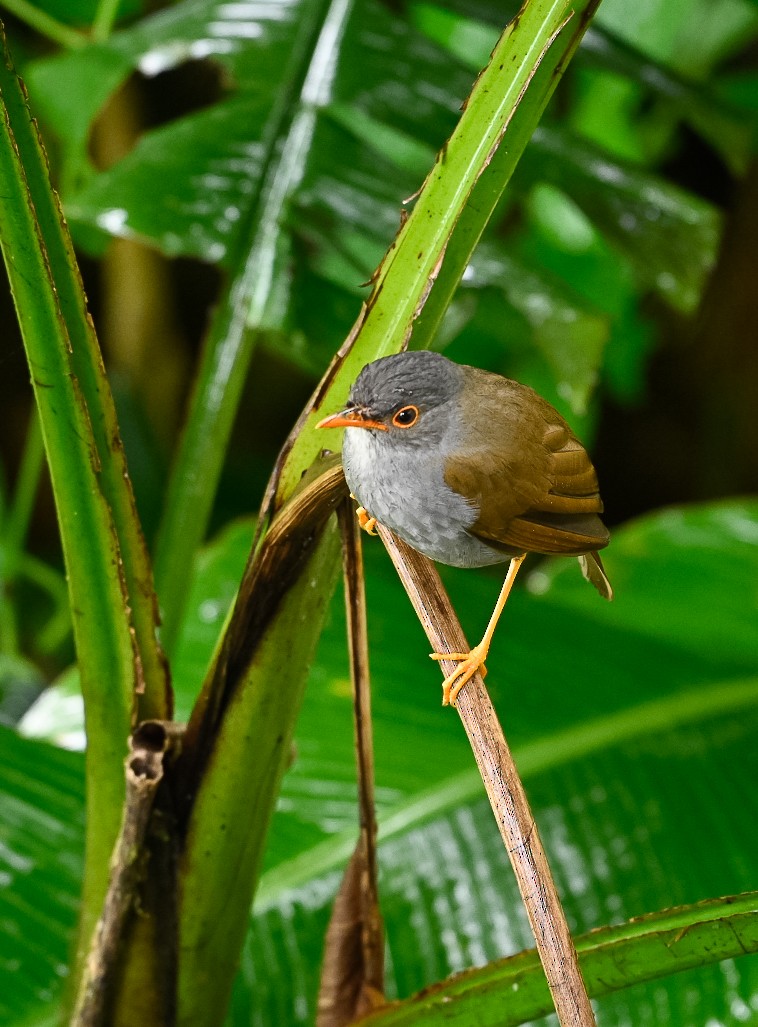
366, 521
470, 663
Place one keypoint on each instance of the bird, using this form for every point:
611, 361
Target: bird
471, 469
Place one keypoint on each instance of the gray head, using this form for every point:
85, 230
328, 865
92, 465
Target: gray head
401, 421
406, 391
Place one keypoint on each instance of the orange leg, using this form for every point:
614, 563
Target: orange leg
473, 661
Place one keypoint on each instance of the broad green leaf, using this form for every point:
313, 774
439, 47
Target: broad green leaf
605, 281
641, 214
249, 43
688, 37
570, 337
71, 88
41, 863
669, 236
410, 85
211, 191
713, 545
624, 829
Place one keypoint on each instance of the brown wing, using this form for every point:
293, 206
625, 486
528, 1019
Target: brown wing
528, 474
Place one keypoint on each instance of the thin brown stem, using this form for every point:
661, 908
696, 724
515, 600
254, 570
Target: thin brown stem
352, 978
355, 601
503, 786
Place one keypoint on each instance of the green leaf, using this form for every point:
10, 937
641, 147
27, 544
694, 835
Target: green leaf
570, 337
640, 213
41, 846
690, 38
70, 89
413, 88
714, 544
669, 236
213, 159
515, 991
82, 12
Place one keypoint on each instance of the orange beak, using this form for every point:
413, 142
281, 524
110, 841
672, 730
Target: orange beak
352, 417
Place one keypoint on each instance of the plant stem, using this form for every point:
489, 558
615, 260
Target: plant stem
46, 25
503, 786
104, 20
352, 974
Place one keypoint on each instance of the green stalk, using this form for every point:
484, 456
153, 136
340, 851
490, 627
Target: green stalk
230, 820
242, 313
109, 580
104, 20
45, 24
38, 258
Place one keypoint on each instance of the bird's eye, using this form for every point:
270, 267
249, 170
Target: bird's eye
406, 417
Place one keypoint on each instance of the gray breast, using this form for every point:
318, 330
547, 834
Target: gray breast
404, 488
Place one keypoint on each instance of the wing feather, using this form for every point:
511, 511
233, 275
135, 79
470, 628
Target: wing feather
528, 475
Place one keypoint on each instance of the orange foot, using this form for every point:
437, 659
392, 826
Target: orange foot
469, 665
366, 521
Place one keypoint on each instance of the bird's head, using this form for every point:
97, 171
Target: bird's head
404, 399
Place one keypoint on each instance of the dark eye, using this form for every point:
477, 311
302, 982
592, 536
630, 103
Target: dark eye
406, 417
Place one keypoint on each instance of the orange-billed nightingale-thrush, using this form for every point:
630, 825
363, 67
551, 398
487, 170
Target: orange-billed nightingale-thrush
470, 469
